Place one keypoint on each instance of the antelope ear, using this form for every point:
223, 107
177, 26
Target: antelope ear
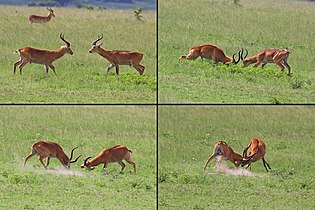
100, 44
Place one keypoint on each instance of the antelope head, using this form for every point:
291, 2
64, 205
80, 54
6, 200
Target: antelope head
247, 61
95, 46
51, 12
67, 48
86, 164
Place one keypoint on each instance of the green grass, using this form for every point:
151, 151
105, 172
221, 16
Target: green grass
186, 138
81, 76
92, 129
255, 25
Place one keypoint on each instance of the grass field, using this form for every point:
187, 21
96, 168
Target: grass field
186, 138
81, 76
92, 129
255, 25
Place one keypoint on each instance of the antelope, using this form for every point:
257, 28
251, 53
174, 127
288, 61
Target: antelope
39, 56
221, 148
118, 57
47, 149
257, 150
277, 56
41, 19
109, 155
210, 52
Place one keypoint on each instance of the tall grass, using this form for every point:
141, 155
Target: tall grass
91, 129
186, 138
255, 25
81, 77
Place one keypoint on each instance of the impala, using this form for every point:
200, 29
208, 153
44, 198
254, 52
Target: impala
210, 52
45, 57
41, 19
221, 148
109, 155
118, 57
256, 150
277, 56
47, 149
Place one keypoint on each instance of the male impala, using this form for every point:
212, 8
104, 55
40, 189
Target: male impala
109, 155
277, 56
221, 148
45, 57
47, 149
41, 19
118, 57
256, 150
210, 52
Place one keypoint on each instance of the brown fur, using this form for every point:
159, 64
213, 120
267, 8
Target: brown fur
277, 56
221, 148
47, 149
41, 19
39, 56
255, 151
119, 57
111, 155
209, 52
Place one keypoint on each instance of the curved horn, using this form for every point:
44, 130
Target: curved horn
245, 54
239, 57
245, 151
250, 157
73, 161
63, 39
98, 39
247, 159
85, 160
71, 155
50, 10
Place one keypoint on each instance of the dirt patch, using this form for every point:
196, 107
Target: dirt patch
61, 171
222, 168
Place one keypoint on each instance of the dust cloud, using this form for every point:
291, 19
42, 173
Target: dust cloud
61, 171
222, 168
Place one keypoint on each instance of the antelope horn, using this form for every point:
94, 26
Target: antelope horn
250, 157
85, 160
239, 57
245, 55
71, 155
245, 151
73, 161
98, 39
63, 39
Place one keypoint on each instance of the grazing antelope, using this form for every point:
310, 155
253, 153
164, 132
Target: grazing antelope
118, 57
221, 148
277, 56
257, 150
210, 52
46, 57
41, 19
109, 155
47, 149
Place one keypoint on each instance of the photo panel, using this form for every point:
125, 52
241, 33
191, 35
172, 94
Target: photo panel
236, 52
112, 136
88, 52
189, 178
